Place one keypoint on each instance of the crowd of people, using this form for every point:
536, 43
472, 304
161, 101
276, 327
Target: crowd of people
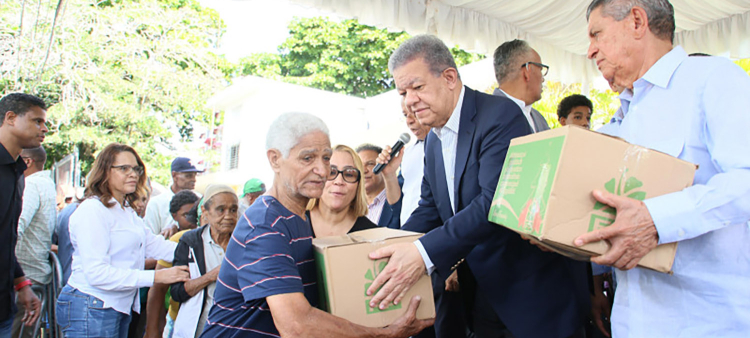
219, 264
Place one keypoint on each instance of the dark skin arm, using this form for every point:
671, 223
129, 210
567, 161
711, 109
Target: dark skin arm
293, 317
155, 310
30, 302
600, 304
194, 285
150, 264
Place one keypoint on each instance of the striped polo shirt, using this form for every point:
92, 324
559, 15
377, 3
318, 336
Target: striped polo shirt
270, 253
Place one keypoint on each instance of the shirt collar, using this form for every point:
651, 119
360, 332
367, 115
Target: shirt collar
207, 238
379, 198
41, 173
6, 158
455, 119
520, 103
661, 72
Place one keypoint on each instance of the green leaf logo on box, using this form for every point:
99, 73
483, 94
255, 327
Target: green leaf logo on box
604, 215
377, 267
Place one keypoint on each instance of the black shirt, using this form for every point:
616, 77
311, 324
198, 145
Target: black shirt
11, 194
362, 223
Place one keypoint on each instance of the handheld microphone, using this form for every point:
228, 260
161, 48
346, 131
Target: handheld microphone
403, 139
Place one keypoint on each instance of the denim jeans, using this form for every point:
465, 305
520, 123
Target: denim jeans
80, 315
5, 327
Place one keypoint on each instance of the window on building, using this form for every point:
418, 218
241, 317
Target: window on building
234, 157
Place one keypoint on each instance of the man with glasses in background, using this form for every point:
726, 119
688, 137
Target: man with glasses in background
520, 73
158, 218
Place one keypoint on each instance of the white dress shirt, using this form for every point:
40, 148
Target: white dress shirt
110, 247
412, 171
448, 135
526, 109
697, 109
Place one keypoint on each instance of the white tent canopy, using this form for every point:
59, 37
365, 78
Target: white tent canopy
555, 28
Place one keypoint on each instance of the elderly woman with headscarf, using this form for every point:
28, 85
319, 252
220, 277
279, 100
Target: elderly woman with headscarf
203, 250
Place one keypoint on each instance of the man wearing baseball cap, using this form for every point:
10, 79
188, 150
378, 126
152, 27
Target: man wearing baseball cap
253, 189
158, 216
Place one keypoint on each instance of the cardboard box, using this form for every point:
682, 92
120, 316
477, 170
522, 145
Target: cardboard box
547, 179
345, 272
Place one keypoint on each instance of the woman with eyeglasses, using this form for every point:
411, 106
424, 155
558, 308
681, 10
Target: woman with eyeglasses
110, 245
343, 206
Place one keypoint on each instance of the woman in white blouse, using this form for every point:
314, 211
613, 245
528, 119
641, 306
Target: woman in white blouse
110, 245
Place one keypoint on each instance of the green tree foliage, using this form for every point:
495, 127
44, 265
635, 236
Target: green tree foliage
605, 103
115, 71
343, 57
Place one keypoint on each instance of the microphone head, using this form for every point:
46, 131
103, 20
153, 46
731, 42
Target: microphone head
404, 138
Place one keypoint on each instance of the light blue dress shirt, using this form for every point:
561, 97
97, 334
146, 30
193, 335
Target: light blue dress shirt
697, 109
448, 135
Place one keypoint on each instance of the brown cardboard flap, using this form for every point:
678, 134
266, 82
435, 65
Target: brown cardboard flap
363, 236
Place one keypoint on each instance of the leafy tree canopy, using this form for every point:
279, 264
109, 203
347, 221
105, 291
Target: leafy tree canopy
113, 71
343, 57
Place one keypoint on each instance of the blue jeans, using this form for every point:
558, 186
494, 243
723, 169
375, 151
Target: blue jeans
80, 315
5, 327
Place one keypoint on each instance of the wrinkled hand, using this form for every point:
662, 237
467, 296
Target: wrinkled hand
168, 232
408, 325
535, 243
31, 303
451, 283
172, 275
395, 161
632, 235
214, 273
403, 270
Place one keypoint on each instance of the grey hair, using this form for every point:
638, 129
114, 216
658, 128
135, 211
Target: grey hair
428, 47
660, 14
370, 147
508, 57
286, 131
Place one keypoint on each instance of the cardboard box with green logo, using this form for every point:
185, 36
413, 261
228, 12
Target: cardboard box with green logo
545, 188
345, 272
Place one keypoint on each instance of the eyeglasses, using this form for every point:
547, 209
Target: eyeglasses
545, 68
127, 169
350, 175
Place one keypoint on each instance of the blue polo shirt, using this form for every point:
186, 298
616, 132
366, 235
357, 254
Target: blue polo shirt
270, 253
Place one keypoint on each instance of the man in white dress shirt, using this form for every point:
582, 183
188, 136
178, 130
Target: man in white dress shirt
520, 74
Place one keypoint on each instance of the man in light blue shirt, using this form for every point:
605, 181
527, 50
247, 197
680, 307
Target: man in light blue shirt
697, 109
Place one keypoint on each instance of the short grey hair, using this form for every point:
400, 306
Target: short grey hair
508, 59
428, 47
660, 14
370, 147
286, 131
